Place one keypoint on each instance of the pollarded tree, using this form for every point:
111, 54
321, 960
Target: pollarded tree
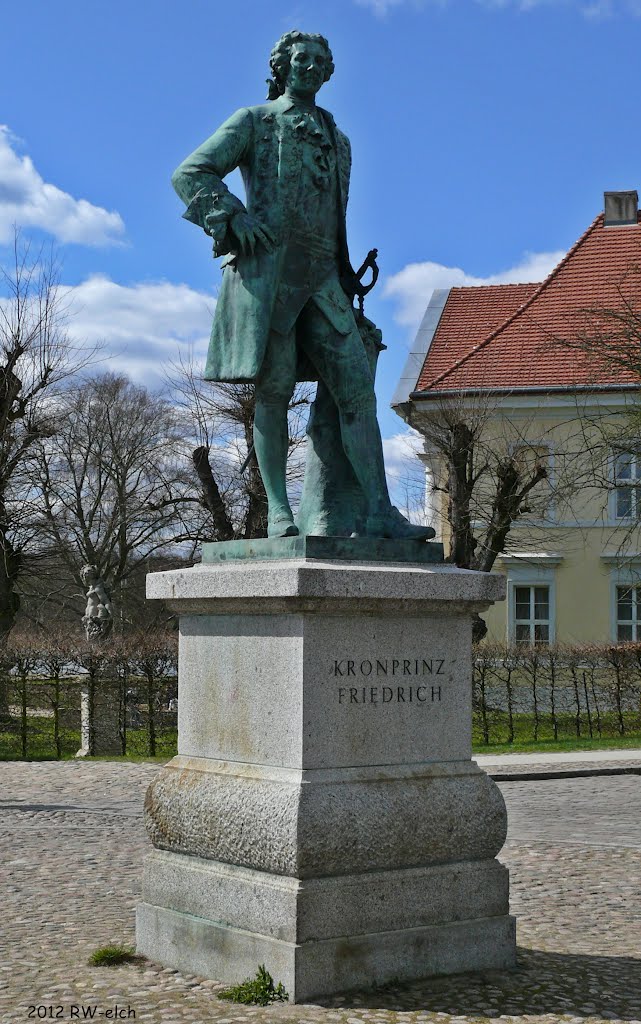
489, 481
490, 471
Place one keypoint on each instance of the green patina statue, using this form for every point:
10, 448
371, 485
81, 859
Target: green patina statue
285, 308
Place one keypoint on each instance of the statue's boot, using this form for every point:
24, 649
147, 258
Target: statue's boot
393, 525
280, 522
362, 442
363, 447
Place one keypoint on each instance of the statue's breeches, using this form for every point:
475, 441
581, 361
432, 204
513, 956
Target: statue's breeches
339, 359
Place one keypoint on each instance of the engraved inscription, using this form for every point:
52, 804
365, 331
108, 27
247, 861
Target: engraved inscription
389, 694
389, 667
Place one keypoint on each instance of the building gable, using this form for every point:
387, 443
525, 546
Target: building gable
502, 337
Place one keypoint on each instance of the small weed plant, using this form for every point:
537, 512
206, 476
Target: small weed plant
111, 956
259, 990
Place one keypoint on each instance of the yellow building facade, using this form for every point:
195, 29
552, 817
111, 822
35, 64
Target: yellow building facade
484, 357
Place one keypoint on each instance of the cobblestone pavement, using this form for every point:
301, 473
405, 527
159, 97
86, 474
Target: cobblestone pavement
72, 843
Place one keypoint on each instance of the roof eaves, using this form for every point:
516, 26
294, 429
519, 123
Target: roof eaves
541, 389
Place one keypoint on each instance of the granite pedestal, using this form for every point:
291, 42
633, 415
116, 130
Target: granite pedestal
323, 815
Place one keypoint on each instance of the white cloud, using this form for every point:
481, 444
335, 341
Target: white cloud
412, 287
143, 327
400, 453
29, 201
405, 473
380, 7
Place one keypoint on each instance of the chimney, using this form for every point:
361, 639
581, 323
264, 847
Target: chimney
621, 208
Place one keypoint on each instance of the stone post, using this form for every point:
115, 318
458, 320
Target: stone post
100, 719
100, 705
323, 815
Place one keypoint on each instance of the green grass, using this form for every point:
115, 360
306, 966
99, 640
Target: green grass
134, 758
258, 991
567, 739
41, 745
111, 956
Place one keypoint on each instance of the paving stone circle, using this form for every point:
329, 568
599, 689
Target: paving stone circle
72, 843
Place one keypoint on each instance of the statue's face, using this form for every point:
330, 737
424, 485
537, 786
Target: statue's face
307, 67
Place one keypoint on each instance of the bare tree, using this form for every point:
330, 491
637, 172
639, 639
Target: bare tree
110, 485
36, 358
490, 472
219, 426
489, 480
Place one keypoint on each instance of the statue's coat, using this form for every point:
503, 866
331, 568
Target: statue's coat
264, 144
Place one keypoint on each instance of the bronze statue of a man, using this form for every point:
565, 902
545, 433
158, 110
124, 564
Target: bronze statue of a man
285, 307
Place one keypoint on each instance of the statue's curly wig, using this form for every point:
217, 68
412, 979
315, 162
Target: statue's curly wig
281, 56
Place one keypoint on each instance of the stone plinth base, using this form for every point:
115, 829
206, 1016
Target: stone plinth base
323, 815
322, 967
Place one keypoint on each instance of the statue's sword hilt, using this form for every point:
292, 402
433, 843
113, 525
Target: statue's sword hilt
369, 263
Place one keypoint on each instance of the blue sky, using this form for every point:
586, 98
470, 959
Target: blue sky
484, 133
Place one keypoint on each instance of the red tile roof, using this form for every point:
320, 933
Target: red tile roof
511, 336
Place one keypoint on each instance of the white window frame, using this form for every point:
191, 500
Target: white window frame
620, 484
635, 621
531, 570
628, 575
532, 622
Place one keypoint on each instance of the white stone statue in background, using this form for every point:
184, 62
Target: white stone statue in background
98, 617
